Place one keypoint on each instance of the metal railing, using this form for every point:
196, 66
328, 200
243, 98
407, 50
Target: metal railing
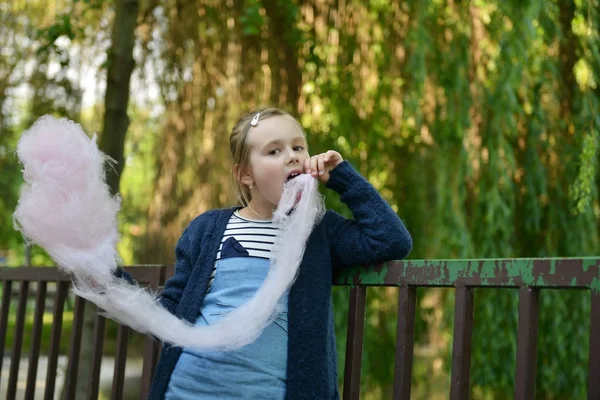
528, 276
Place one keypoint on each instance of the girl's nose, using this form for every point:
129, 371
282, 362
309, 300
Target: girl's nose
293, 156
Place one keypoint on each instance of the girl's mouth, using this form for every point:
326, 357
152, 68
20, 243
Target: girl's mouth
292, 176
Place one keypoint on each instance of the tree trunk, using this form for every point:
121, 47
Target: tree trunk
120, 67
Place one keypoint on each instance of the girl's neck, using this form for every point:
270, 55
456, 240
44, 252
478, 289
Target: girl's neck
252, 211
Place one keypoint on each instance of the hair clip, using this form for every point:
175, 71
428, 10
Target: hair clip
254, 121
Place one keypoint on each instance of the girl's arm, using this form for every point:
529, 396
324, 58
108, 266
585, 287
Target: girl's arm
121, 273
376, 233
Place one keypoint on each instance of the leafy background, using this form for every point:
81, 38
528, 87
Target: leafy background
477, 121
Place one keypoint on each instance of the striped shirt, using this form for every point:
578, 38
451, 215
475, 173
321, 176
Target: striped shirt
256, 237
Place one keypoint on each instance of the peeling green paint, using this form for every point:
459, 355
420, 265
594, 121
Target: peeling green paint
548, 272
487, 270
454, 269
373, 276
587, 263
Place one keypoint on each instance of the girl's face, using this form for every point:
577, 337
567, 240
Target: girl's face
277, 148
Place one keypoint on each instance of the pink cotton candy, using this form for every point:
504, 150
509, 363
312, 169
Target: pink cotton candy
65, 205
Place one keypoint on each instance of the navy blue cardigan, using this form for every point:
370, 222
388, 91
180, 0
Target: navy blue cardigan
376, 234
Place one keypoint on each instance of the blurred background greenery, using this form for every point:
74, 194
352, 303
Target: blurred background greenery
477, 120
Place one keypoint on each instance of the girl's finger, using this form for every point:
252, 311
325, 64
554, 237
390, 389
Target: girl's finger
329, 155
313, 165
321, 165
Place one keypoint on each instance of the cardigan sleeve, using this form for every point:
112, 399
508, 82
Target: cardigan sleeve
122, 274
375, 234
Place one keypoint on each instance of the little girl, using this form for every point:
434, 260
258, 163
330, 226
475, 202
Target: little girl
223, 258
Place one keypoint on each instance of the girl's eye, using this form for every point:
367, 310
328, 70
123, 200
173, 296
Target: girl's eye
275, 151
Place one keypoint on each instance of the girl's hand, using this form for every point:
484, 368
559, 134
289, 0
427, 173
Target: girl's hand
320, 165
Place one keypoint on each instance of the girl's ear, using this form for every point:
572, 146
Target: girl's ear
242, 175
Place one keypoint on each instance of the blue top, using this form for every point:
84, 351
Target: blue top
376, 234
255, 371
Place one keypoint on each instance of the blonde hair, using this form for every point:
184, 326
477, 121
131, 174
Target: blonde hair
238, 144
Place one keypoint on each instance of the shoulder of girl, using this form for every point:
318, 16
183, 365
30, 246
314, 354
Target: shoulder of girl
201, 220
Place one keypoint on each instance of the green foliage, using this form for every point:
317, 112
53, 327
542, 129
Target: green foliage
69, 24
136, 183
49, 35
10, 182
252, 20
581, 190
